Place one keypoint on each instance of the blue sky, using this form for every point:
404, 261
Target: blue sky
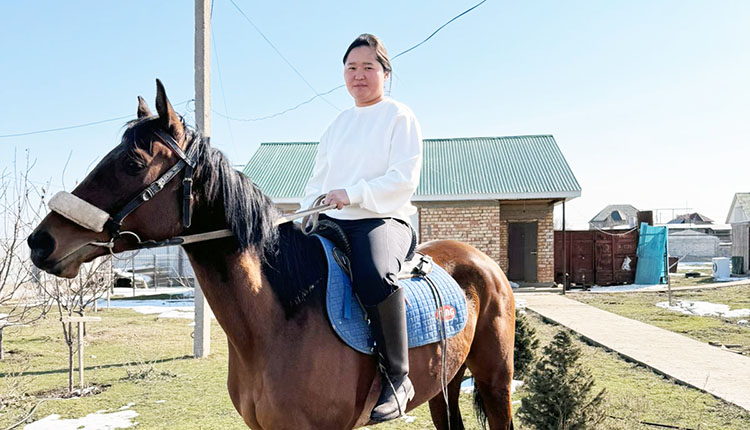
648, 100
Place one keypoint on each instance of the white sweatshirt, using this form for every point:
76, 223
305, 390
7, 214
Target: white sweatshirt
375, 154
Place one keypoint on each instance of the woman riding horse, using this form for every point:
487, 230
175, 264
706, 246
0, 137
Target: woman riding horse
287, 367
368, 165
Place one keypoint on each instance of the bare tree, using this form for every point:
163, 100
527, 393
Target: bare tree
22, 301
74, 297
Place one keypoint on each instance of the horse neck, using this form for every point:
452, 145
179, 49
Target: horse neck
234, 287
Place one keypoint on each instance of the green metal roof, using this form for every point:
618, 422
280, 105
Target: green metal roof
517, 167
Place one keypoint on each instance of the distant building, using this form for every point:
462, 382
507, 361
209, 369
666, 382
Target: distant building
495, 193
739, 219
615, 216
691, 245
693, 218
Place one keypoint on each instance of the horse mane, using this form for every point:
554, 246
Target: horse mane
293, 263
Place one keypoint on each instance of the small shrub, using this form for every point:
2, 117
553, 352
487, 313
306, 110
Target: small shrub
559, 390
146, 372
525, 346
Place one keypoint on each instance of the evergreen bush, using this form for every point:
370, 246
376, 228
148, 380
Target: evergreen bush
525, 346
560, 390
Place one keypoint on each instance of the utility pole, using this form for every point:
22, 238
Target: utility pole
202, 338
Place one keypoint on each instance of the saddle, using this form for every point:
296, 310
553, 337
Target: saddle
416, 264
435, 304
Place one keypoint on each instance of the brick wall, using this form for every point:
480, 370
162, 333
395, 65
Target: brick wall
476, 223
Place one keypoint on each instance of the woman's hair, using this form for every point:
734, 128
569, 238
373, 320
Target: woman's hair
373, 42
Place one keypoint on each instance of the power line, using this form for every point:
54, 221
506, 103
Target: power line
317, 94
342, 86
257, 118
440, 28
70, 127
277, 113
221, 81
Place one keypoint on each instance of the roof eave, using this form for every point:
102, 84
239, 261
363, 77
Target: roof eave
567, 195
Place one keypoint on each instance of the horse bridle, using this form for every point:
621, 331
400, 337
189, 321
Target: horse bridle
74, 206
187, 162
95, 219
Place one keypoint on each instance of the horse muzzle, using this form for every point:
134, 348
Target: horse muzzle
42, 245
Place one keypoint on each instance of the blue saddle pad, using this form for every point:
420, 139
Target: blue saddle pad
422, 317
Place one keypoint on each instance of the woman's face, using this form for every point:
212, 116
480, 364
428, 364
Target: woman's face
364, 76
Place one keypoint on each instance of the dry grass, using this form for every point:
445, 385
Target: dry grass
146, 360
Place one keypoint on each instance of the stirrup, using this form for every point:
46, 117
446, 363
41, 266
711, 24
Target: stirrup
408, 388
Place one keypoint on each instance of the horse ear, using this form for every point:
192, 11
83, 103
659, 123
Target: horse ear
143, 110
167, 116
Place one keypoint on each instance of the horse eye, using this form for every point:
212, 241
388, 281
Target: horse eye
133, 167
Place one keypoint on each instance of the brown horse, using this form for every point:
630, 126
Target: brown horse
287, 367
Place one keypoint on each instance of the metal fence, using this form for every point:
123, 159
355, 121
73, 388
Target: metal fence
151, 268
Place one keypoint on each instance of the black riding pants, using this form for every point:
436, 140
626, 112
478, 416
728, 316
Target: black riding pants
379, 246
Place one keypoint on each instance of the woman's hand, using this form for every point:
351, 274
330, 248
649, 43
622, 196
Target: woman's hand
338, 198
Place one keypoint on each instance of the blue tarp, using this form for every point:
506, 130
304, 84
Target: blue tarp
652, 251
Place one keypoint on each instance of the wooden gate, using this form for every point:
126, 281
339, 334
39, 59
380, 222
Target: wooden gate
595, 257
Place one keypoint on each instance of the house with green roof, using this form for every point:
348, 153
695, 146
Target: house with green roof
496, 193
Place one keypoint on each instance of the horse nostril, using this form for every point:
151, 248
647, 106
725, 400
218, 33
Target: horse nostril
42, 245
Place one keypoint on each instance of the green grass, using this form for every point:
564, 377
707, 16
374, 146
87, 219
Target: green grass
145, 360
641, 306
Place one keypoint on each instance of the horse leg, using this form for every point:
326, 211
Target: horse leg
437, 405
491, 363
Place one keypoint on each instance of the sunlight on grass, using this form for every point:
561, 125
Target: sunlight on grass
146, 361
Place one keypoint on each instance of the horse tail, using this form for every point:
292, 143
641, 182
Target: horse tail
479, 410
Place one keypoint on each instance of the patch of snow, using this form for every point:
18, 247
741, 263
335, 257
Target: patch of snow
187, 312
127, 406
178, 314
408, 418
467, 386
704, 309
160, 310
160, 401
95, 421
627, 287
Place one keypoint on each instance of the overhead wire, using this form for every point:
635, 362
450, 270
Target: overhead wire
221, 82
277, 113
342, 86
266, 117
317, 94
439, 28
70, 127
